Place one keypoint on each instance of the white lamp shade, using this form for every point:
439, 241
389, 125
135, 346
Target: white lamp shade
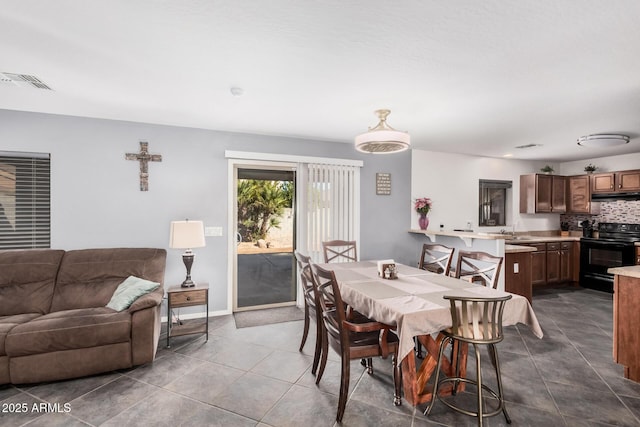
383, 141
186, 234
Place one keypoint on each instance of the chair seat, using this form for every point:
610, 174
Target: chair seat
470, 335
363, 339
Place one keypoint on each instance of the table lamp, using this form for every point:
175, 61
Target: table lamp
186, 235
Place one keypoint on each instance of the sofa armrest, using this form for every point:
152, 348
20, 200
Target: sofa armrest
151, 299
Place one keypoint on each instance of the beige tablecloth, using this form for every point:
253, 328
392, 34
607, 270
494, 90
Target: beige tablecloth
414, 302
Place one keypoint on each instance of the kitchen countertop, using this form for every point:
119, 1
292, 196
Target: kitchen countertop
509, 240
631, 271
512, 249
541, 239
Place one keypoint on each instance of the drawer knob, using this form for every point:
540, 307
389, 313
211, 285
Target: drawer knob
188, 298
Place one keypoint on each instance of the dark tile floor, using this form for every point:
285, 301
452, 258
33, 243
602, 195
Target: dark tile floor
256, 377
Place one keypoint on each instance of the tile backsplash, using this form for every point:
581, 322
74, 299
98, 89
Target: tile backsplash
625, 211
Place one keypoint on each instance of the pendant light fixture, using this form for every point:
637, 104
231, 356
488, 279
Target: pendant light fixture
383, 139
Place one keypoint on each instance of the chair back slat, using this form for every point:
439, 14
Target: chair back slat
436, 258
479, 267
340, 251
477, 320
330, 302
304, 272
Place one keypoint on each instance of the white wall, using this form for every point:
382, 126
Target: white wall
451, 181
96, 200
604, 164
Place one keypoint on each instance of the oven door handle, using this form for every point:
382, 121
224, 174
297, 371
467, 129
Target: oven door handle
607, 245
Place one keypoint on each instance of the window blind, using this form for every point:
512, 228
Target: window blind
25, 201
332, 205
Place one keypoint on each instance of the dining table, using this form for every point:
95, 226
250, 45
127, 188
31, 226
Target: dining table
413, 304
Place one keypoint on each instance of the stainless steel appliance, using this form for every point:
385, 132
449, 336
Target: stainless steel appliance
614, 247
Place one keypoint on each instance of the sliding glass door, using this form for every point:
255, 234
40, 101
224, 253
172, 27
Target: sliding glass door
265, 224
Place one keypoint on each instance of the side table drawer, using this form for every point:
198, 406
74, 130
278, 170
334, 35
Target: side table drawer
188, 298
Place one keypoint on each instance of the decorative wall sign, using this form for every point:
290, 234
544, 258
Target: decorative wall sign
144, 158
383, 184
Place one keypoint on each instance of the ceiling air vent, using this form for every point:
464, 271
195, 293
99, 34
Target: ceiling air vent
529, 146
23, 80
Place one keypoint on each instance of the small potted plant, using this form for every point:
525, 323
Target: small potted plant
547, 169
590, 168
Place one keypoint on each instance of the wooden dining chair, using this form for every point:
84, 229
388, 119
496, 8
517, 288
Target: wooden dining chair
479, 267
476, 321
352, 340
436, 258
340, 251
311, 310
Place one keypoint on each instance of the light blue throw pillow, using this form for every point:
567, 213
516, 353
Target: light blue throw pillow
128, 291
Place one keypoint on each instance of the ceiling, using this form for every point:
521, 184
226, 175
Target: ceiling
463, 76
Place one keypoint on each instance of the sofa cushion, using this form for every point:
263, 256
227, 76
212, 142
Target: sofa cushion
130, 290
27, 280
7, 323
67, 330
88, 278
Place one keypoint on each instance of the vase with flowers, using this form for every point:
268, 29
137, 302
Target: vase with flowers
423, 206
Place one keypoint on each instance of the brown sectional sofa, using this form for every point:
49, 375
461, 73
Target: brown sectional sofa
54, 323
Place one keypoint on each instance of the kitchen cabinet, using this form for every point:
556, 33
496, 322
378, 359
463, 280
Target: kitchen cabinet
554, 263
566, 262
543, 193
539, 264
579, 196
626, 334
612, 182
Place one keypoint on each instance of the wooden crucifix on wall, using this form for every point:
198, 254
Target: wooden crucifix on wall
144, 158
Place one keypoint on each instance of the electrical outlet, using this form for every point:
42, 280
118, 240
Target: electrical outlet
516, 268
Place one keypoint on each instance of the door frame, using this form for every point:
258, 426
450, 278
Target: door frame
243, 158
232, 273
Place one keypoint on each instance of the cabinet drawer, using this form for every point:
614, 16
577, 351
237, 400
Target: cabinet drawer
188, 298
553, 246
566, 245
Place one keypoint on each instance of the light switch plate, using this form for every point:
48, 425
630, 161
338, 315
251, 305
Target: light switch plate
213, 231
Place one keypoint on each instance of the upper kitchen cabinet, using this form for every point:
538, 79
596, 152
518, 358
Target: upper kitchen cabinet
612, 182
543, 193
579, 196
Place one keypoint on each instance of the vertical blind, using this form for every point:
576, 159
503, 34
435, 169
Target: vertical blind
25, 202
332, 205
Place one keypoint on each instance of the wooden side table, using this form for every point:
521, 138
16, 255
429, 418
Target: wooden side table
177, 297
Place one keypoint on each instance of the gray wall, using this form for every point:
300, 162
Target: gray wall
96, 201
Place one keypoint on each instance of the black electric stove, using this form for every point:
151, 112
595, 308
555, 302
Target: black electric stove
614, 247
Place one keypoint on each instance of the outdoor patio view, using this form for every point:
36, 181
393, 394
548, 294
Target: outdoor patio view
265, 238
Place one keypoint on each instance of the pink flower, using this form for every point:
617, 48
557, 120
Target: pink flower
423, 205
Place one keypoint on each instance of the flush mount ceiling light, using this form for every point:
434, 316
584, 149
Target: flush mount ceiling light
603, 140
382, 139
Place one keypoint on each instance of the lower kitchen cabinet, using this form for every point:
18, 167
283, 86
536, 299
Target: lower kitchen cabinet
539, 264
553, 263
